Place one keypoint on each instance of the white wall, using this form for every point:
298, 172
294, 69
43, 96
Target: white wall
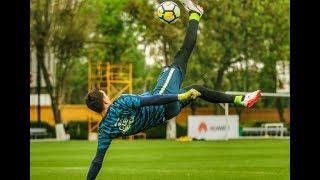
44, 100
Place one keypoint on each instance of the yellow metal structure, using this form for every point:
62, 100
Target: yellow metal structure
114, 79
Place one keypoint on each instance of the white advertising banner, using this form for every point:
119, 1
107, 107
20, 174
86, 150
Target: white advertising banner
213, 127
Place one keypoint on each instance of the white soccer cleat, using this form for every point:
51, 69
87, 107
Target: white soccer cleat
251, 98
190, 6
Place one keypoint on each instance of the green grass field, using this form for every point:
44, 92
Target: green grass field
161, 159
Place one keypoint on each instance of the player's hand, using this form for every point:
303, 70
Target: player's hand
189, 95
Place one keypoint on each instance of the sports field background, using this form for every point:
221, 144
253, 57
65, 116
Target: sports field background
163, 159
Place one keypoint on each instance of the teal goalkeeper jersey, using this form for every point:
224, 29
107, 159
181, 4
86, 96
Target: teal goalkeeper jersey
125, 117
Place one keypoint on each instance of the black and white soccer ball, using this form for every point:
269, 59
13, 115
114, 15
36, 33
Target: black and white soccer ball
168, 12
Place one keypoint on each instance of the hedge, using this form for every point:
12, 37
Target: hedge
76, 129
159, 132
50, 129
79, 129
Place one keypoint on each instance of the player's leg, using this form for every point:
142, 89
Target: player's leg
219, 97
182, 56
170, 78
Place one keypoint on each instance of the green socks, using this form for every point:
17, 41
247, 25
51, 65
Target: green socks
194, 16
237, 100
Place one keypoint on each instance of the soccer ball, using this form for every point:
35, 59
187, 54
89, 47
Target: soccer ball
168, 12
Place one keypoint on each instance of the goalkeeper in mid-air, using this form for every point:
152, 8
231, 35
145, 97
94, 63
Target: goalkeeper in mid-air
130, 114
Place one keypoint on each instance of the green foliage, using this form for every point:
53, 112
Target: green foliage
112, 27
237, 49
182, 130
77, 129
69, 36
58, 34
257, 123
77, 83
236, 39
159, 132
120, 33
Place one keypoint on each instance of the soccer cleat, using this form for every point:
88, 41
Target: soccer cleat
251, 98
190, 6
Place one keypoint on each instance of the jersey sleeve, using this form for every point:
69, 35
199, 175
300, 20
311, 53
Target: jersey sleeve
96, 164
158, 99
129, 101
134, 101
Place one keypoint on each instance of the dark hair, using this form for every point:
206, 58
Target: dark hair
94, 100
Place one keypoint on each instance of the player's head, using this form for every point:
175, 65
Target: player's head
97, 100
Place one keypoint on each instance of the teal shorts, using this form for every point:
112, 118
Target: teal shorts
169, 82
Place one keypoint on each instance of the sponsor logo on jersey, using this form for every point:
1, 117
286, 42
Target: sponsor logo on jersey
124, 123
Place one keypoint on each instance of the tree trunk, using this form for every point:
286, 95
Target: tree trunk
239, 112
165, 51
246, 76
280, 110
218, 81
60, 131
40, 53
42, 26
193, 108
54, 100
217, 87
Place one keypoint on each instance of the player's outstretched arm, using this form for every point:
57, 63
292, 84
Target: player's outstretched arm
97, 161
96, 165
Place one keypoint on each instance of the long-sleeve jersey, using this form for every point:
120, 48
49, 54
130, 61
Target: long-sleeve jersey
128, 115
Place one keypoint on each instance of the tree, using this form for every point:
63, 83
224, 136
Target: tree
77, 83
120, 36
235, 33
58, 30
276, 47
40, 23
232, 34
